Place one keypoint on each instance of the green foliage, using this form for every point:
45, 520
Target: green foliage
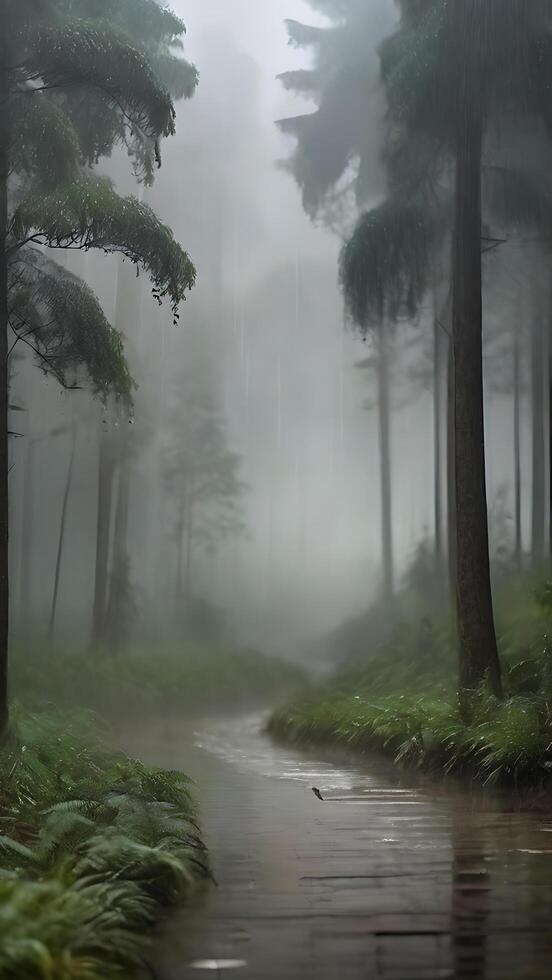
502, 742
84, 76
45, 144
87, 53
385, 265
398, 694
88, 213
187, 677
68, 326
92, 845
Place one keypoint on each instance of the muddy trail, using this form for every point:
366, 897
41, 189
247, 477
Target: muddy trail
389, 877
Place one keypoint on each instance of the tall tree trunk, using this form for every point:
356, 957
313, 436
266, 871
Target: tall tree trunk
451, 480
517, 446
103, 535
538, 434
61, 539
4, 460
189, 529
385, 462
117, 614
27, 529
180, 549
477, 639
437, 439
550, 452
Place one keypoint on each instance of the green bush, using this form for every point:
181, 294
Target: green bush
93, 845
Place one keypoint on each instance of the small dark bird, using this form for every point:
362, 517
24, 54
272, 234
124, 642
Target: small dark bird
317, 793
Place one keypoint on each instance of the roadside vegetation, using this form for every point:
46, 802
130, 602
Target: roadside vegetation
94, 846
188, 678
401, 698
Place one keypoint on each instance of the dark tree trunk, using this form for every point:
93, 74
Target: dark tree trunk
4, 460
437, 440
451, 480
476, 631
61, 539
539, 440
385, 462
25, 568
103, 535
517, 448
550, 453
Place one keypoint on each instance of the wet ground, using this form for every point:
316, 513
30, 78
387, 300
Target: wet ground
387, 878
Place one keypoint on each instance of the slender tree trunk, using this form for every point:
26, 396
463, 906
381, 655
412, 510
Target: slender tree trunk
189, 529
25, 567
437, 440
4, 459
61, 539
385, 462
180, 549
103, 535
119, 581
451, 480
538, 434
517, 447
550, 452
477, 639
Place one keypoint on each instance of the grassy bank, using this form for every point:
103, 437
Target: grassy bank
184, 679
93, 847
400, 698
503, 742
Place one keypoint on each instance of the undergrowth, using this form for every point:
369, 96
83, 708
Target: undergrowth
189, 678
93, 846
401, 699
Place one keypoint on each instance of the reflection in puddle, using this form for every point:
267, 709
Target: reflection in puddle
217, 964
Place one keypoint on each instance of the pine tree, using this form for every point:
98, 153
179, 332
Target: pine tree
453, 73
57, 73
202, 476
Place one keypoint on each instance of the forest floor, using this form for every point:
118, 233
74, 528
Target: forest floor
94, 846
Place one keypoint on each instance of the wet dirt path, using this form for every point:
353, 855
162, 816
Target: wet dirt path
393, 880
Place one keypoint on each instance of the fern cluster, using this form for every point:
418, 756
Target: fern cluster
92, 846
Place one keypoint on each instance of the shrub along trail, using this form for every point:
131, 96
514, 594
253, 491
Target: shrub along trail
93, 847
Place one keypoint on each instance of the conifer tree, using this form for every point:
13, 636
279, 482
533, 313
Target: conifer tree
202, 475
70, 90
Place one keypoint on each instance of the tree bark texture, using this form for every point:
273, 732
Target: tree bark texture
478, 657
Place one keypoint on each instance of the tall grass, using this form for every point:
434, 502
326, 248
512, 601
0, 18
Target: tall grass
401, 698
93, 845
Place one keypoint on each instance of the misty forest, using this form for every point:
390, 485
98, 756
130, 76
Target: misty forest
275, 489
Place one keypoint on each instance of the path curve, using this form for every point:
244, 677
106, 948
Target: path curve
393, 880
